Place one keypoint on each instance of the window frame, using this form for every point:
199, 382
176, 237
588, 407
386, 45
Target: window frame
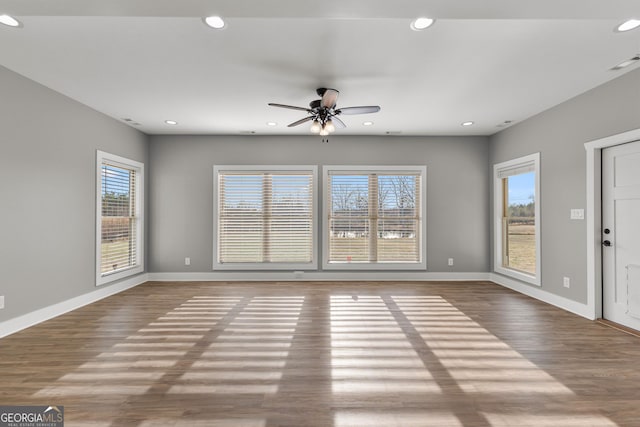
371, 169
301, 266
138, 167
498, 199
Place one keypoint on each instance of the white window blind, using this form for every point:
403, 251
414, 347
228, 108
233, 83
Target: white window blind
119, 218
265, 217
516, 169
374, 217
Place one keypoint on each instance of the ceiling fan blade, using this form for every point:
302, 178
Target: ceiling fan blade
301, 121
329, 98
338, 123
291, 107
359, 110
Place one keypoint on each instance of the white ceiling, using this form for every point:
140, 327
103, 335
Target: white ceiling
152, 60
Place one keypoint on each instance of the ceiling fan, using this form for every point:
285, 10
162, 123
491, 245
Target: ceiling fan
324, 114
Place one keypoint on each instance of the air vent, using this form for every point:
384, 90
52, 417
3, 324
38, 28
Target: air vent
626, 63
393, 132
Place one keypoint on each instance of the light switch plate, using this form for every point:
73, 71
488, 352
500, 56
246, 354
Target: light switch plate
1, 302
577, 213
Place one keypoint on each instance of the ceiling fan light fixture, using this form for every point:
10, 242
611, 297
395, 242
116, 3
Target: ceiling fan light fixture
422, 23
323, 113
215, 22
315, 127
329, 126
628, 25
9, 21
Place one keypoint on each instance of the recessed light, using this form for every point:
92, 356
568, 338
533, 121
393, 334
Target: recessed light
628, 25
367, 123
9, 20
272, 124
422, 23
214, 22
466, 124
171, 122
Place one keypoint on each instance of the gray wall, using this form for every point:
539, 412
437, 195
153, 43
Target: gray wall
48, 146
559, 135
181, 189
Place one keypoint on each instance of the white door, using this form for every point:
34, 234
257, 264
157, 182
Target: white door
621, 234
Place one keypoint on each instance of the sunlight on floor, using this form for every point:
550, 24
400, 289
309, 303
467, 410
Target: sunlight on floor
145, 355
254, 341
374, 350
379, 356
232, 422
395, 418
386, 356
472, 342
528, 420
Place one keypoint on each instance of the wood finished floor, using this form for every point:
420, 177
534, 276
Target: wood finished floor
324, 354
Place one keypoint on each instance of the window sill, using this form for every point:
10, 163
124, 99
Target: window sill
397, 266
119, 275
241, 266
518, 275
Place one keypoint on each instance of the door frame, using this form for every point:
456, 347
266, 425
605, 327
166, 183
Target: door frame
594, 215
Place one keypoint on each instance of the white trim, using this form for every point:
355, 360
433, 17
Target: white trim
594, 215
542, 295
19, 323
276, 265
101, 157
533, 159
292, 276
405, 266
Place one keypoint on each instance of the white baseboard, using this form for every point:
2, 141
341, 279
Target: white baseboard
289, 276
19, 323
535, 292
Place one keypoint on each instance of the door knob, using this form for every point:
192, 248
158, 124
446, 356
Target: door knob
606, 243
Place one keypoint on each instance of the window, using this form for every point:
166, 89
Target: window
119, 219
374, 217
265, 217
517, 218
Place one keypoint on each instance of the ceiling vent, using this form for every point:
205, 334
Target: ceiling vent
626, 63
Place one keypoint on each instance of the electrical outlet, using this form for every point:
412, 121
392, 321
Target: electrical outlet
1, 302
450, 262
566, 282
187, 261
